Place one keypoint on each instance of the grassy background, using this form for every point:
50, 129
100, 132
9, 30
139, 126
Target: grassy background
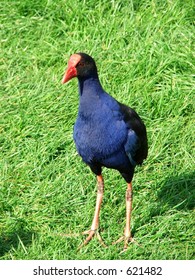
145, 56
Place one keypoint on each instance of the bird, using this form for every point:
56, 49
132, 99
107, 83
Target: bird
106, 133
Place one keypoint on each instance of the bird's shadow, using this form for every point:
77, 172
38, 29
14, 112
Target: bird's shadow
178, 191
175, 193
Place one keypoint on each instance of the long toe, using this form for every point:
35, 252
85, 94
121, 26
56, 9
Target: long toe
126, 240
91, 234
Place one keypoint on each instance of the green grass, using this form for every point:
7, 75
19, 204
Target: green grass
145, 56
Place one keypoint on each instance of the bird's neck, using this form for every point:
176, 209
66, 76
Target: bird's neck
90, 91
90, 86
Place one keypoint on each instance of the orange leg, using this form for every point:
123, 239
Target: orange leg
129, 200
95, 223
127, 233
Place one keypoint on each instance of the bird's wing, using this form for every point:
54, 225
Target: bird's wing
136, 145
128, 123
131, 146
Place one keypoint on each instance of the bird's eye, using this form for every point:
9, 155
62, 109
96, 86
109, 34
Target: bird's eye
81, 64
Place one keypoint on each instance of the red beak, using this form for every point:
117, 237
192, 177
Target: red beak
71, 72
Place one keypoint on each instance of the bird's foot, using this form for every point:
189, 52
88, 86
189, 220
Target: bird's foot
91, 233
127, 240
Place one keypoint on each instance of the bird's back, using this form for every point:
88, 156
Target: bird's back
135, 123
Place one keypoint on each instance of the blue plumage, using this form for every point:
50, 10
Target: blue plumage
106, 132
100, 132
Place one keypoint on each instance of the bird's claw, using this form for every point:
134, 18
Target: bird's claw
91, 233
127, 240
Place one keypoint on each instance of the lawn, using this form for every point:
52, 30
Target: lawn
146, 59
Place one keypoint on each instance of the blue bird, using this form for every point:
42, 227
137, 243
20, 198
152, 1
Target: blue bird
107, 134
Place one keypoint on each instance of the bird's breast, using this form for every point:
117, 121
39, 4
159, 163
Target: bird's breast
98, 135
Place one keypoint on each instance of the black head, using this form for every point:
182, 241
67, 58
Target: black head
80, 65
86, 67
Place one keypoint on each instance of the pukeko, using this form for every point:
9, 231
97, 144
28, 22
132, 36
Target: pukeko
107, 133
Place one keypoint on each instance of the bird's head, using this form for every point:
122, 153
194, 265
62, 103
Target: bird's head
80, 65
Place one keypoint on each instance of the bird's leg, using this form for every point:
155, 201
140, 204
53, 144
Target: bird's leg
127, 233
95, 222
129, 200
